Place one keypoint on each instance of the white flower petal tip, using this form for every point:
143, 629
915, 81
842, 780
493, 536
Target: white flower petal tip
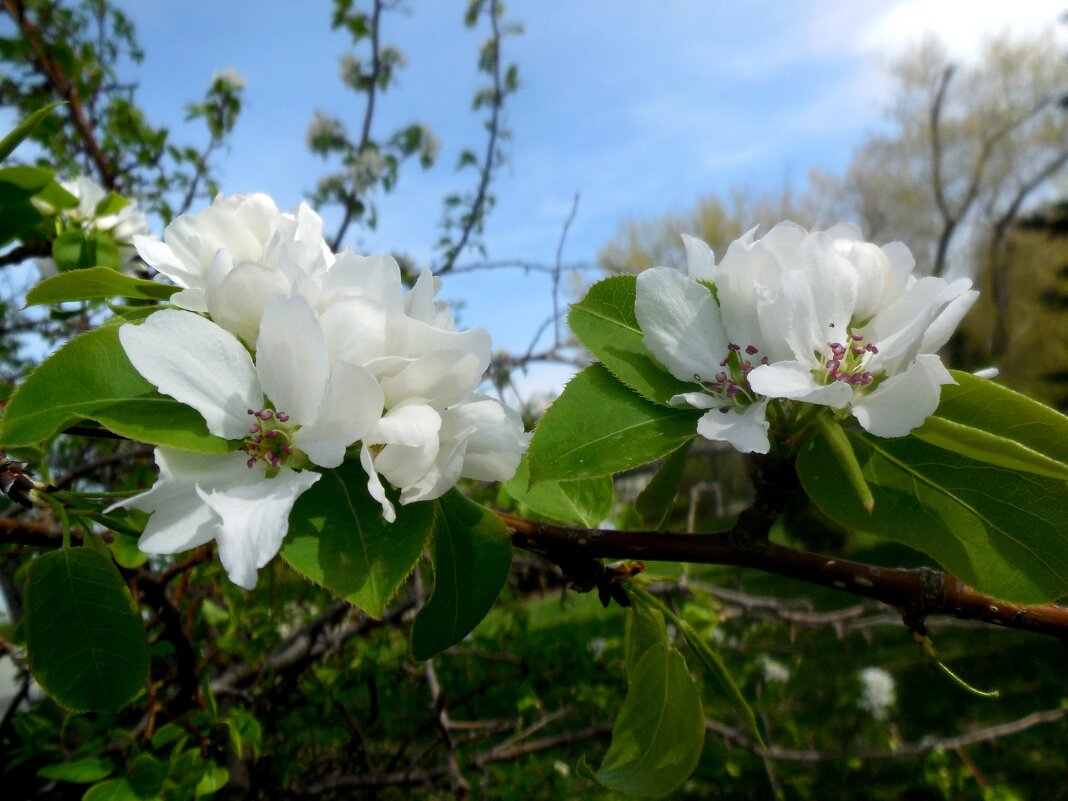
989, 373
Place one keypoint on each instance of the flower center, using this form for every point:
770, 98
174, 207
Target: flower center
847, 361
731, 384
270, 439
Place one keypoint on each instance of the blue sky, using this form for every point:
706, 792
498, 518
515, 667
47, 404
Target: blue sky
639, 107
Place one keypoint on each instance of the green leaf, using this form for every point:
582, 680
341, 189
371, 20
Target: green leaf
598, 427
23, 130
656, 502
991, 423
604, 320
836, 440
339, 539
70, 250
87, 645
22, 183
213, 780
94, 283
1001, 531
91, 378
660, 731
472, 555
126, 553
111, 790
645, 629
146, 776
81, 771
709, 659
585, 502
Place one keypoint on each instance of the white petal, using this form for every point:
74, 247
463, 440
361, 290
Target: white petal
237, 300
355, 330
253, 520
680, 323
441, 378
794, 381
939, 332
161, 258
199, 364
904, 401
291, 358
350, 408
180, 520
374, 485
746, 430
494, 435
441, 476
378, 277
414, 425
698, 400
700, 261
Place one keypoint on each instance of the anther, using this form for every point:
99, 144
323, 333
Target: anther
752, 351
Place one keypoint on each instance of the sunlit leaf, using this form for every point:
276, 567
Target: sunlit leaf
604, 320
339, 539
598, 427
94, 283
585, 502
1002, 531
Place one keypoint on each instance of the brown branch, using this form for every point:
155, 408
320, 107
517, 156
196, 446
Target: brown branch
368, 115
915, 592
63, 86
903, 751
493, 126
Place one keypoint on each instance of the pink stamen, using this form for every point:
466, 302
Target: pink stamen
751, 350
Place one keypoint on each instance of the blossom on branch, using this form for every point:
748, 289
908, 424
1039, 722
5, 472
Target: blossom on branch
306, 355
822, 318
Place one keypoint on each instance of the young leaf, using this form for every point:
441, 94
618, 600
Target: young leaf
472, 554
91, 378
655, 503
990, 423
645, 629
659, 733
23, 130
604, 320
86, 642
708, 658
585, 502
80, 771
598, 427
339, 539
835, 438
94, 283
111, 790
1001, 531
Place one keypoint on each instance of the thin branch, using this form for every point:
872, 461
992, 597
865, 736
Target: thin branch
471, 219
556, 269
63, 86
902, 751
916, 592
368, 115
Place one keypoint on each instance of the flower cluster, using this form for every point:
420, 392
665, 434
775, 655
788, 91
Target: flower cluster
306, 354
123, 224
819, 317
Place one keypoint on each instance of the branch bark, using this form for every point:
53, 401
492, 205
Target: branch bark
915, 592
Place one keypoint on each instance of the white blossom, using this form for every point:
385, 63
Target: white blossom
123, 225
849, 326
291, 408
878, 692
